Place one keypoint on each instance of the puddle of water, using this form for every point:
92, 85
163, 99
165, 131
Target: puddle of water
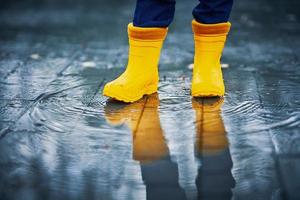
168, 145
69, 146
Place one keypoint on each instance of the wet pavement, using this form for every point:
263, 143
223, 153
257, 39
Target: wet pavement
60, 139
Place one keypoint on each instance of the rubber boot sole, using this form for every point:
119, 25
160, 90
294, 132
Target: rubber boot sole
129, 99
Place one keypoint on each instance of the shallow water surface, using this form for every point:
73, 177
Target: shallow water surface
61, 139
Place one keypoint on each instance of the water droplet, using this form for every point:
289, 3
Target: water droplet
224, 65
35, 56
190, 66
89, 64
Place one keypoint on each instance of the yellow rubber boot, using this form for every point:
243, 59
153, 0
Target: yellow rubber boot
207, 74
141, 75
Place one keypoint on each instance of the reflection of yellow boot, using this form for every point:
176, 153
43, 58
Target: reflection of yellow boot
118, 113
143, 119
209, 43
141, 74
211, 134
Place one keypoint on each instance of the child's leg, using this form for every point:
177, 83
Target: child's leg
213, 11
210, 28
154, 13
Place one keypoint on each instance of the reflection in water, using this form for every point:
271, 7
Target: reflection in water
159, 172
214, 180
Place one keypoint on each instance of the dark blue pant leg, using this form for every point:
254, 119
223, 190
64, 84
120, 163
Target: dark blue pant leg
213, 11
154, 13
160, 13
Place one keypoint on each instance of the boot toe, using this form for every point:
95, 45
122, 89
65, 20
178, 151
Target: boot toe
121, 92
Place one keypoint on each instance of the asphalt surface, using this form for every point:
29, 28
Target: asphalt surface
61, 139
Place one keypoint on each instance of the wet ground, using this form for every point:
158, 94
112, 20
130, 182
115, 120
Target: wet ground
60, 139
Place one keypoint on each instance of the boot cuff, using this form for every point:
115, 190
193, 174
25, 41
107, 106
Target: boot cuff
210, 29
139, 33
